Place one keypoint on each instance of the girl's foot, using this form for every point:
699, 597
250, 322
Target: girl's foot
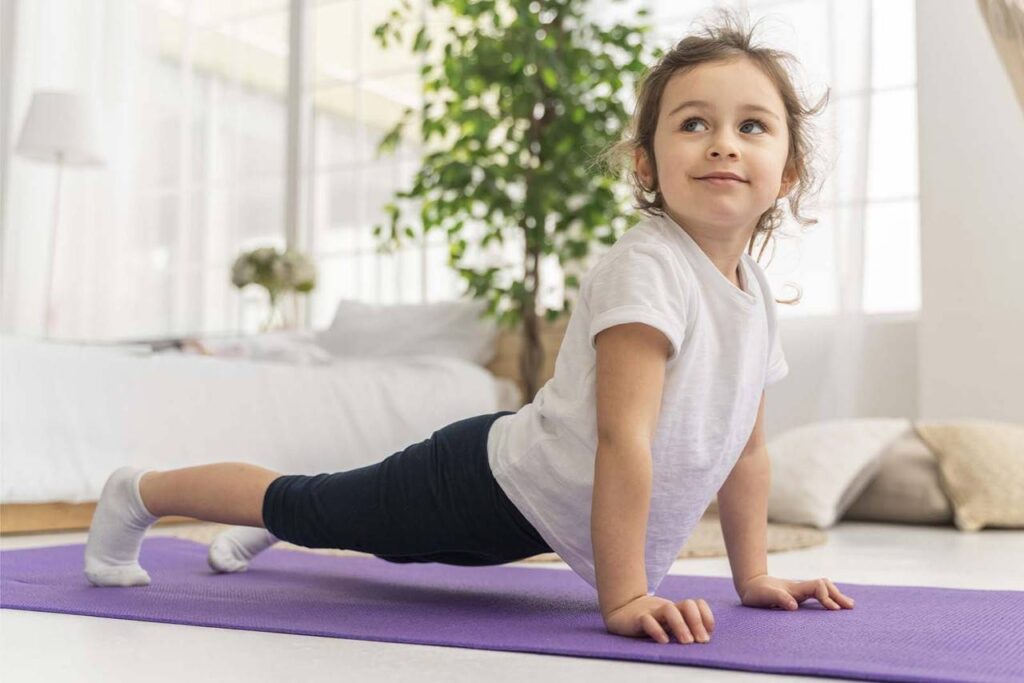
232, 549
115, 535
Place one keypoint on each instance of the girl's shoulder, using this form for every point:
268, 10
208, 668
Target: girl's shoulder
647, 236
639, 262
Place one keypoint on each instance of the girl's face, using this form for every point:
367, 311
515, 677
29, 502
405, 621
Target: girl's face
707, 125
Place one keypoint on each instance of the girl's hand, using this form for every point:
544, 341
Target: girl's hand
648, 615
766, 591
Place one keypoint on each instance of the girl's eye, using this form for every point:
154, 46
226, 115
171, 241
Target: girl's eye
756, 123
687, 122
748, 121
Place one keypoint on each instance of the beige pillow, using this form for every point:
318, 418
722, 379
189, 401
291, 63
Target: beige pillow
981, 464
906, 489
820, 468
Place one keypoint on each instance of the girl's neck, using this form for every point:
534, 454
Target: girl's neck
723, 246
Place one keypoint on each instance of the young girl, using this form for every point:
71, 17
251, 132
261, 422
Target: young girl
656, 404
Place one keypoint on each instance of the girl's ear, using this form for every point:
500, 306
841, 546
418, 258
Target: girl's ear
643, 169
789, 177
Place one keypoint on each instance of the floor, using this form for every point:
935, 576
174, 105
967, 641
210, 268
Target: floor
38, 646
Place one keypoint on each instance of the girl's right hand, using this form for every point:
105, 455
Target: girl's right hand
649, 615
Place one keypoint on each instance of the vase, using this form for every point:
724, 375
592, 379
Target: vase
275, 318
278, 317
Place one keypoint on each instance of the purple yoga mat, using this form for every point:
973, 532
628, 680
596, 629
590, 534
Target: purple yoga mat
893, 634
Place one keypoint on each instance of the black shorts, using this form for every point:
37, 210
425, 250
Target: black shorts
435, 501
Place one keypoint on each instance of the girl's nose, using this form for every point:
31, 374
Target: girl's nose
723, 143
717, 151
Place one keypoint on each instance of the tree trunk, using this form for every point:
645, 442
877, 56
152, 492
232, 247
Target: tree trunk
531, 353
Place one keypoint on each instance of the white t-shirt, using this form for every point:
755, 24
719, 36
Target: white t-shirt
725, 350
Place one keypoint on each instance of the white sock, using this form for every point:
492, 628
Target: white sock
118, 525
232, 549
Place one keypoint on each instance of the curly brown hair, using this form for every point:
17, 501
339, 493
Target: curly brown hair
723, 41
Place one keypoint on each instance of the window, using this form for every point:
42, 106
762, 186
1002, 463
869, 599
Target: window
199, 173
215, 176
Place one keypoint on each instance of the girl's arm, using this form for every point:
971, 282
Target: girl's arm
630, 375
743, 508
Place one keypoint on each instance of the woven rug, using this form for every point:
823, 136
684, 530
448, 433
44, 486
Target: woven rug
706, 540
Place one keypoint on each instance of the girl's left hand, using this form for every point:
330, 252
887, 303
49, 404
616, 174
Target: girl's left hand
766, 591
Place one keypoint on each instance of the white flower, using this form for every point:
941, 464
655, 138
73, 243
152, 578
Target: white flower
242, 272
274, 271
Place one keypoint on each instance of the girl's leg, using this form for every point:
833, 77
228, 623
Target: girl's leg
163, 493
229, 493
132, 500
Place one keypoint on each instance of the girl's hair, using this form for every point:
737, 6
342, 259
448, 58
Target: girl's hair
726, 41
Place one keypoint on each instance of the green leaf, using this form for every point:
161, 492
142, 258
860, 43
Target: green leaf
549, 77
390, 141
421, 42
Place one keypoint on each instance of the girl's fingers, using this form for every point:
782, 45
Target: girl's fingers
706, 616
685, 633
821, 593
802, 590
837, 595
824, 591
653, 628
806, 589
694, 619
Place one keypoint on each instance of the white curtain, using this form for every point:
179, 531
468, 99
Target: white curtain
84, 47
834, 43
194, 167
194, 96
841, 383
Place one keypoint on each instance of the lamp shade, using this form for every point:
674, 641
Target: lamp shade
61, 126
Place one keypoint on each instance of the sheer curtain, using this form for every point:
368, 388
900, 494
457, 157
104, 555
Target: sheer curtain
192, 106
31, 185
83, 47
194, 96
847, 213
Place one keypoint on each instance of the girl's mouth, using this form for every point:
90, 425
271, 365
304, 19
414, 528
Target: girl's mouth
721, 182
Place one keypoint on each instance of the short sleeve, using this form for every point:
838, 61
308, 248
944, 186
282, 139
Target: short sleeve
640, 284
777, 366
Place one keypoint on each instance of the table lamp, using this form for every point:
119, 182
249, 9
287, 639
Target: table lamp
60, 128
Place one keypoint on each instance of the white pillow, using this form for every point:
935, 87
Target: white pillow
447, 328
819, 469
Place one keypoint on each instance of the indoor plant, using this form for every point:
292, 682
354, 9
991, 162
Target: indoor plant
514, 119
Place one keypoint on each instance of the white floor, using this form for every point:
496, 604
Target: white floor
37, 646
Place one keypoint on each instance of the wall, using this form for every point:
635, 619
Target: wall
971, 336
888, 389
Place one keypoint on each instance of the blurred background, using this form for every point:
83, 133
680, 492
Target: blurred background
226, 125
